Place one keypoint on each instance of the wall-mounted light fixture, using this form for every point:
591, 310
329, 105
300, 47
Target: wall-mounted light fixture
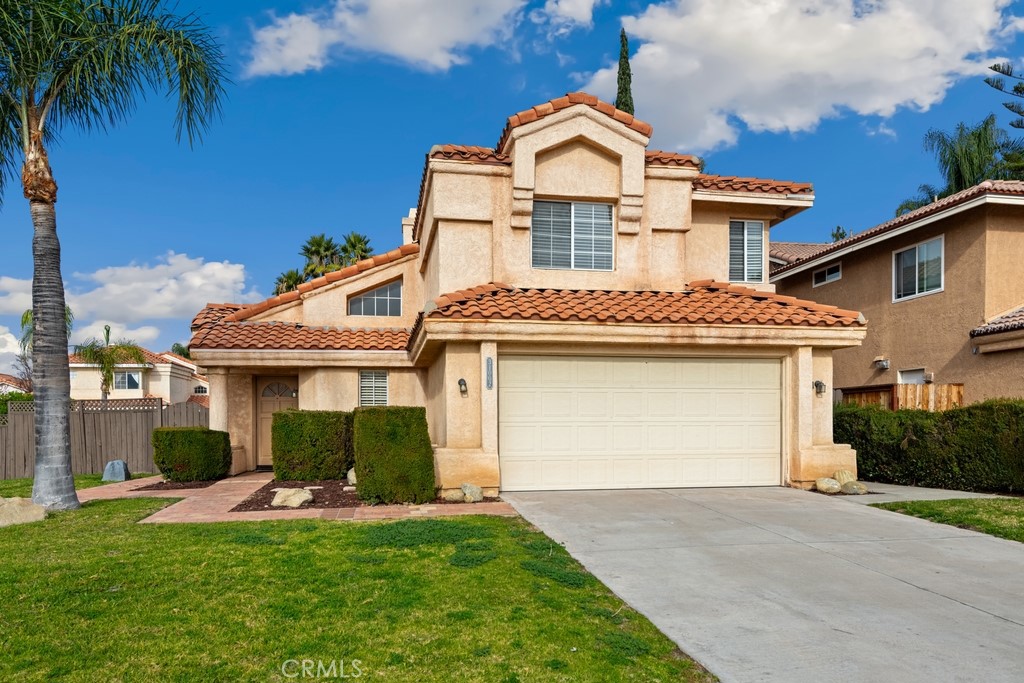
295, 393
463, 387
881, 362
819, 387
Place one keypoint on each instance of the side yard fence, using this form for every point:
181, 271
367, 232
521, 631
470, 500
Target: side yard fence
933, 397
100, 432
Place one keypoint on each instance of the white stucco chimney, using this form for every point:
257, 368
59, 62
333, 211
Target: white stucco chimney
407, 224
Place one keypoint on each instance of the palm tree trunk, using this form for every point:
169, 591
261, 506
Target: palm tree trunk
54, 485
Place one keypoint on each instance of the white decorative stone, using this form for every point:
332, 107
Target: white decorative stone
312, 488
351, 476
843, 476
472, 493
454, 496
854, 488
348, 489
291, 498
20, 511
827, 485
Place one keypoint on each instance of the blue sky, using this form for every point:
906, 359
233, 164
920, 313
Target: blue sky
335, 102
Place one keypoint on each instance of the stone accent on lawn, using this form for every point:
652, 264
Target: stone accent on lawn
291, 498
843, 476
453, 496
827, 485
351, 476
20, 511
116, 470
472, 493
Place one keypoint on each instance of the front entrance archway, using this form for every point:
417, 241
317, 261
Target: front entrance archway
273, 394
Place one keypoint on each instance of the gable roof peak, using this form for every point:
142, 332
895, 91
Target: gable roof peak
572, 99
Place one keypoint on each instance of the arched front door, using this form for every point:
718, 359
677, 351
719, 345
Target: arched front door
273, 394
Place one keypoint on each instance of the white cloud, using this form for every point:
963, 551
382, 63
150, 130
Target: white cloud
882, 129
561, 17
704, 67
425, 33
15, 295
140, 335
9, 350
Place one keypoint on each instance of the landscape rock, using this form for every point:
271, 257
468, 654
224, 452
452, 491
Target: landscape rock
291, 498
454, 496
472, 493
843, 476
351, 476
827, 485
20, 511
854, 488
348, 489
116, 470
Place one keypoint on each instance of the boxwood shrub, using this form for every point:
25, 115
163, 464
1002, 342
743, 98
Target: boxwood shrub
979, 447
394, 459
191, 453
310, 445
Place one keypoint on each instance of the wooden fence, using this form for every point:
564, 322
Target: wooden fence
933, 397
100, 432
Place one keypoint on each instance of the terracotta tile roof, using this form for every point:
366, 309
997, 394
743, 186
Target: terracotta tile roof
656, 157
703, 303
1014, 320
480, 155
11, 380
569, 99
199, 399
213, 313
730, 183
296, 337
794, 251
994, 187
246, 311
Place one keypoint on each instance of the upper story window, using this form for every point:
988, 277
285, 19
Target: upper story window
572, 235
917, 270
127, 380
200, 389
386, 300
746, 251
829, 274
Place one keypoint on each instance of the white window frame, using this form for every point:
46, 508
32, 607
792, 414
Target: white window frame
900, 373
572, 237
942, 268
839, 274
199, 389
764, 250
125, 373
374, 376
384, 285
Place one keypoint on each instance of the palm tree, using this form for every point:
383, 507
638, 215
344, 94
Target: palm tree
28, 328
179, 349
287, 281
83, 64
355, 248
322, 255
966, 157
108, 356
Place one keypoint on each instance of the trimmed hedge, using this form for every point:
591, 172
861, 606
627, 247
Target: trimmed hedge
12, 396
394, 459
979, 447
311, 445
191, 453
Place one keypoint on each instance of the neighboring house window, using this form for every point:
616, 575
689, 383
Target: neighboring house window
746, 251
200, 390
911, 376
917, 270
572, 235
830, 274
373, 387
126, 380
386, 300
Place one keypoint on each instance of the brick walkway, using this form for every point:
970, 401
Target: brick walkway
213, 504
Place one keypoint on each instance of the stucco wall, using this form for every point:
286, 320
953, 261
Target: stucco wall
1004, 271
437, 416
338, 388
706, 252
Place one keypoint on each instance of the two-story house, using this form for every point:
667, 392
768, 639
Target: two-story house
572, 309
942, 288
166, 376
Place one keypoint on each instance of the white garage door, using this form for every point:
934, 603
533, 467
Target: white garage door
611, 423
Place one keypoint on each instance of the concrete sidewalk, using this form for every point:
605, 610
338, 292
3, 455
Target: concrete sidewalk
777, 584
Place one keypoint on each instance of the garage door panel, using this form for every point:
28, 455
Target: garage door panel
595, 422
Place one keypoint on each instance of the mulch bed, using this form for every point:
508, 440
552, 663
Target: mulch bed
177, 485
330, 496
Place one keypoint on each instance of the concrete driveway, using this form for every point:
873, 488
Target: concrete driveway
776, 584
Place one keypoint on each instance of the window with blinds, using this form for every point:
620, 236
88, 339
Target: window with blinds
373, 388
572, 235
746, 251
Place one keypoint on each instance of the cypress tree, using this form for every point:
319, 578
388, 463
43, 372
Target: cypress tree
624, 97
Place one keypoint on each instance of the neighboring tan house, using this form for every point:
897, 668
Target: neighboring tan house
942, 288
574, 311
10, 384
167, 376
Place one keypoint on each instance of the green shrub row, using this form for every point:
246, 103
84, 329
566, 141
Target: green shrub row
394, 458
312, 445
12, 396
979, 447
191, 453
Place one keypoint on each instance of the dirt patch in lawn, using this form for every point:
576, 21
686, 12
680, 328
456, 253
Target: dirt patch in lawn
177, 485
330, 494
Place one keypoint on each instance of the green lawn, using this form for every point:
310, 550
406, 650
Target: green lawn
92, 596
22, 488
1003, 517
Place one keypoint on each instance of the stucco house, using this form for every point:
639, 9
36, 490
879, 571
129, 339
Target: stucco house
165, 375
942, 288
10, 384
574, 311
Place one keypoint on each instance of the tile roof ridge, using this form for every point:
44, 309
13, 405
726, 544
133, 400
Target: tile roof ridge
539, 111
783, 299
714, 182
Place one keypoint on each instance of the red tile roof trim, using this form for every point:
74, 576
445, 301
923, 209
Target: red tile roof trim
1009, 322
274, 336
729, 183
479, 155
793, 251
570, 99
703, 303
11, 380
656, 157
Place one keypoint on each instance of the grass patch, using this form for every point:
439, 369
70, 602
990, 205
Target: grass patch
1002, 517
22, 488
92, 595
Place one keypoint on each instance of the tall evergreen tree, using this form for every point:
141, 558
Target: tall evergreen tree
624, 97
999, 83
